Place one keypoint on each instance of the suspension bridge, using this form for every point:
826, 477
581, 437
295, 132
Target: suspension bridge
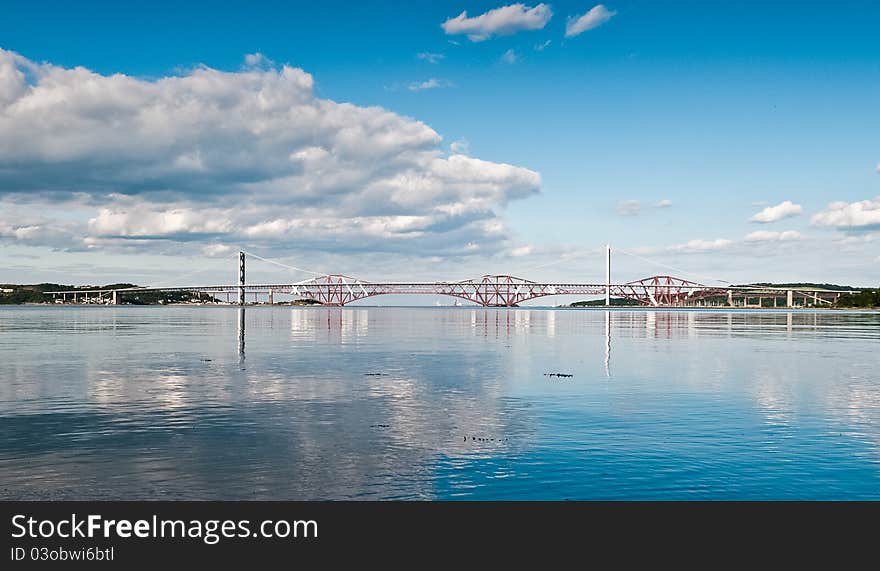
487, 290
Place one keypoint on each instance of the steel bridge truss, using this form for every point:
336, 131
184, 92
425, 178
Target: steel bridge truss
491, 290
488, 291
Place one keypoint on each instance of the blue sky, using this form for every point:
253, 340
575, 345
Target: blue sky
717, 110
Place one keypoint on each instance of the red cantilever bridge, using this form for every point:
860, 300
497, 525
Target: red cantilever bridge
488, 291
491, 290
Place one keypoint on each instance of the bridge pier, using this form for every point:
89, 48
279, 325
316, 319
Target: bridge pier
607, 275
789, 298
241, 278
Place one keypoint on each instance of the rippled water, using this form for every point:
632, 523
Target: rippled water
437, 403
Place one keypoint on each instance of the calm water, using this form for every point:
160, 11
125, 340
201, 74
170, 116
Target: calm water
437, 403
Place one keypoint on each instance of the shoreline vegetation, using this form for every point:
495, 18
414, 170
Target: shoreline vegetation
34, 294
30, 294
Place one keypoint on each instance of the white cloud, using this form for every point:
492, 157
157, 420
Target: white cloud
521, 251
782, 210
858, 239
141, 222
213, 156
257, 60
509, 57
773, 236
460, 147
216, 251
543, 45
20, 226
861, 215
665, 203
501, 21
430, 57
432, 83
696, 246
629, 207
595, 17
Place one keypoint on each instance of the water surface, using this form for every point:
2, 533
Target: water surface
437, 403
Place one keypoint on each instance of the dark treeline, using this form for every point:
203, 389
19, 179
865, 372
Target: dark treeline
16, 294
865, 298
31, 293
36, 293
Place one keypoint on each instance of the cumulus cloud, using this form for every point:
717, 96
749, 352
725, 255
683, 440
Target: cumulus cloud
139, 222
21, 226
460, 147
861, 215
216, 251
432, 83
501, 21
772, 236
665, 203
521, 251
509, 57
595, 17
430, 57
257, 60
850, 240
785, 209
216, 156
629, 207
699, 245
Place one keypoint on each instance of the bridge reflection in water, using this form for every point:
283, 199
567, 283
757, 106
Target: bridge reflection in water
351, 325
383, 403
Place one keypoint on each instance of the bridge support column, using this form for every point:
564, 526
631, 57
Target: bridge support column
730, 297
789, 299
271, 297
114, 298
607, 275
241, 278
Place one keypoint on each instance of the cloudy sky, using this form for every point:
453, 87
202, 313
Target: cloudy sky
439, 140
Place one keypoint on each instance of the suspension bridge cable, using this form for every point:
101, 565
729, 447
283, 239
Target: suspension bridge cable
283, 265
668, 267
179, 276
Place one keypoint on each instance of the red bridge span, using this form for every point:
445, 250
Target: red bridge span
496, 290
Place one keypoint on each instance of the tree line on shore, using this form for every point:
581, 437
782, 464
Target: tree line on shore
15, 294
865, 298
